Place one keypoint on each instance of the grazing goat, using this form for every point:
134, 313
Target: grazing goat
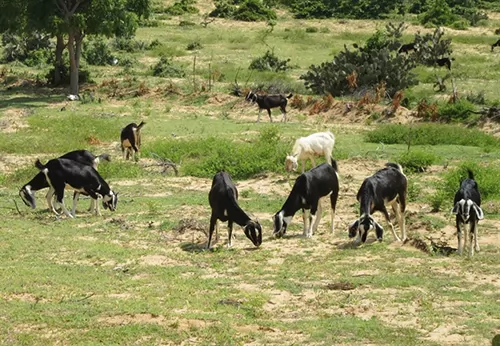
408, 47
317, 144
387, 186
269, 101
39, 182
223, 199
496, 44
131, 139
60, 173
467, 208
445, 62
309, 187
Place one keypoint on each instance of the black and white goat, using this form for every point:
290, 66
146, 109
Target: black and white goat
223, 199
467, 207
39, 182
496, 44
309, 187
82, 178
388, 186
269, 101
130, 138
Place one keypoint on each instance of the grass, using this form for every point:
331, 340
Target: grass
134, 277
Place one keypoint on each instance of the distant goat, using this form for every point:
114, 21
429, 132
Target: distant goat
405, 48
467, 207
61, 172
39, 182
309, 187
317, 144
131, 139
445, 62
223, 199
269, 101
387, 186
496, 44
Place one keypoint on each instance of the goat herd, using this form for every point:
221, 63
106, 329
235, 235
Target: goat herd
386, 187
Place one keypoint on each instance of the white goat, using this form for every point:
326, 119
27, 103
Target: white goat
317, 144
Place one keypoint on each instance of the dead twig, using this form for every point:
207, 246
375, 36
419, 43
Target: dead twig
17, 208
165, 163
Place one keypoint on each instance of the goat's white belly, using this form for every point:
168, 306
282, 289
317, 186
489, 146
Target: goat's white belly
126, 143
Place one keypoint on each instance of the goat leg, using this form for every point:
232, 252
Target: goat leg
229, 233
213, 222
476, 240
315, 218
388, 219
459, 237
305, 218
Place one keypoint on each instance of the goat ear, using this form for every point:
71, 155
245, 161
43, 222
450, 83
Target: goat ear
455, 208
479, 211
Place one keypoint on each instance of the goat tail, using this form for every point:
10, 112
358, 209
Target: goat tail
142, 123
39, 164
289, 96
470, 173
104, 157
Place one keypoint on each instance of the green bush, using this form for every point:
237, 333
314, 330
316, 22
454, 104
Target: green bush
83, 75
438, 13
166, 68
269, 62
362, 9
182, 7
242, 159
372, 64
195, 45
248, 11
416, 161
131, 46
32, 50
487, 177
455, 112
430, 134
97, 52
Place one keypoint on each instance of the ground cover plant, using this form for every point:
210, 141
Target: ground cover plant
139, 275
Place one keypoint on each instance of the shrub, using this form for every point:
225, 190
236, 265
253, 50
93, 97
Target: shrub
458, 111
131, 46
33, 49
97, 52
166, 68
182, 7
487, 177
312, 29
352, 71
416, 161
269, 62
194, 45
205, 157
83, 75
438, 13
248, 11
430, 134
366, 9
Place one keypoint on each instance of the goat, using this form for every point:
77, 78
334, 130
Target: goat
309, 187
467, 198
317, 144
269, 101
39, 182
496, 44
223, 199
445, 62
131, 139
387, 186
62, 172
405, 48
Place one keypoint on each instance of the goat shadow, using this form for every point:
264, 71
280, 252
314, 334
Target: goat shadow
202, 247
350, 244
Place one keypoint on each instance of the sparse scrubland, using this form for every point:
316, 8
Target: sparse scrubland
139, 275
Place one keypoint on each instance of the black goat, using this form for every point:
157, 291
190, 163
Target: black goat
60, 173
309, 187
496, 44
467, 207
387, 186
223, 199
131, 139
407, 48
269, 101
39, 182
445, 62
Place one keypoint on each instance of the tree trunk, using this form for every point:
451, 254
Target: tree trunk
73, 66
59, 63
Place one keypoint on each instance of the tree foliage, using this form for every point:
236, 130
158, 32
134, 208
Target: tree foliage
247, 10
